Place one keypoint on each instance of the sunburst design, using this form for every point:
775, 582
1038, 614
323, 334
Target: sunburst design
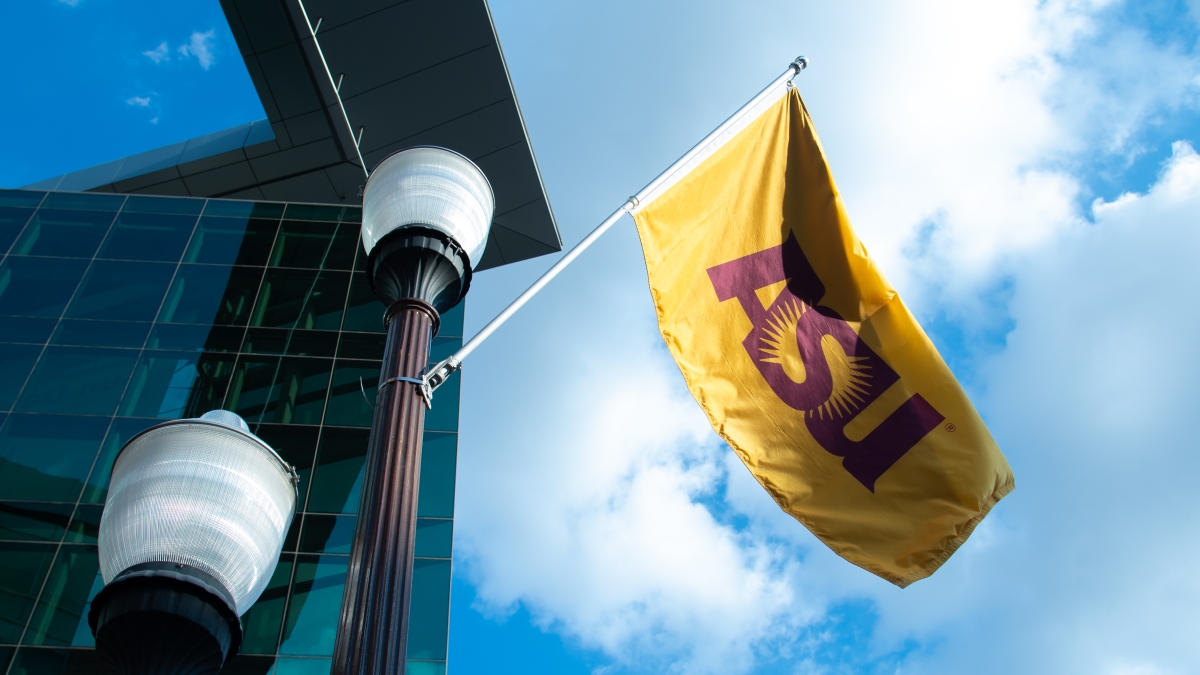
781, 340
847, 372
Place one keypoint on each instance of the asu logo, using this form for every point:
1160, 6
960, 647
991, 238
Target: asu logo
815, 362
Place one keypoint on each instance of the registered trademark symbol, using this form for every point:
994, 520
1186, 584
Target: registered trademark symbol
950, 426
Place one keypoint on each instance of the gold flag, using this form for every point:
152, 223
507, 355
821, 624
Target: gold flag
805, 359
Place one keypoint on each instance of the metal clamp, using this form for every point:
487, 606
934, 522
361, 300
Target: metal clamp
437, 374
422, 386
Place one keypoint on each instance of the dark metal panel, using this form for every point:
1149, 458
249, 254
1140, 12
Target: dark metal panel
287, 76
265, 22
313, 126
173, 188
515, 246
225, 179
476, 135
300, 159
154, 160
446, 92
410, 37
214, 162
146, 180
315, 185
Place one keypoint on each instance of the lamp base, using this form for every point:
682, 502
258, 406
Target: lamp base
164, 619
422, 263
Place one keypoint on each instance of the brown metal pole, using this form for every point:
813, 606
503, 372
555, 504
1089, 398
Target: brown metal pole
372, 636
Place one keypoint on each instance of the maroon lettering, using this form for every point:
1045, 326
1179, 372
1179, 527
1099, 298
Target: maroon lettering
816, 363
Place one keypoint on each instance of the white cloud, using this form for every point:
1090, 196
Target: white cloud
627, 561
138, 101
158, 54
1092, 570
592, 492
200, 47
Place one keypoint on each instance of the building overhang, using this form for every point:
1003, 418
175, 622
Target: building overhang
414, 72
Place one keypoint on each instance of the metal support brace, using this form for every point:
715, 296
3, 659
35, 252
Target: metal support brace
336, 84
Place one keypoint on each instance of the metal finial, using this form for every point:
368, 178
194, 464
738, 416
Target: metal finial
800, 63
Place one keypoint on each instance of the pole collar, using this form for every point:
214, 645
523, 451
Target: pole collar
412, 303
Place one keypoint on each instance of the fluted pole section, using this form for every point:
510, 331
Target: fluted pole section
372, 635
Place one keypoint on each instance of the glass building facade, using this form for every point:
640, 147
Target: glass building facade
119, 312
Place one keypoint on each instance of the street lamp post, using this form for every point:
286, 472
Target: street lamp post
426, 214
192, 529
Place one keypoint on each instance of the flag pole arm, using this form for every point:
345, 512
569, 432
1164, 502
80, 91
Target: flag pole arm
437, 374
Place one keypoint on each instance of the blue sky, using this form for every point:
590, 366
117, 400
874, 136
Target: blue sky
1024, 173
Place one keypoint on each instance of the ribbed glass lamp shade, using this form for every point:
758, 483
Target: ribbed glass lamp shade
200, 492
429, 187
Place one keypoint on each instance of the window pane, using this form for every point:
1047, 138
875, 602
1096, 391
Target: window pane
85, 525
261, 623
364, 312
301, 299
352, 393
64, 234
210, 294
452, 321
22, 569
123, 291
362, 346
315, 245
195, 337
443, 416
62, 661
435, 538
251, 386
26, 329
232, 241
297, 445
23, 198
180, 205
287, 390
171, 385
441, 347
81, 380
31, 521
11, 222
429, 609
314, 605
327, 534
147, 236
121, 431
331, 214
424, 668
61, 615
83, 201
240, 209
47, 457
337, 477
93, 333
38, 286
286, 666
439, 457
291, 341
292, 538
16, 361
